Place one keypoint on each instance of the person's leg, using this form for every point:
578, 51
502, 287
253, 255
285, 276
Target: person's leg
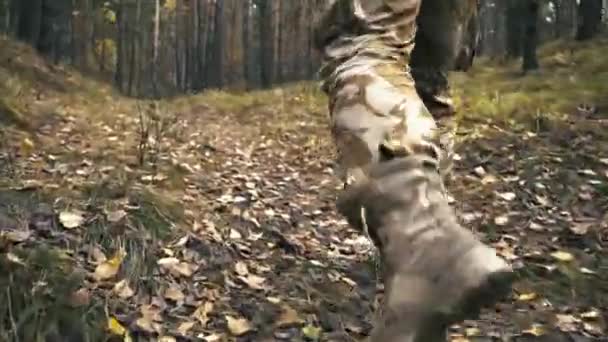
435, 272
438, 50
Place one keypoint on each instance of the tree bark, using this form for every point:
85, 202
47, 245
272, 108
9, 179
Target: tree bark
530, 39
590, 14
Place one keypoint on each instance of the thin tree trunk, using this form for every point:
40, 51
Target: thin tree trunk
156, 48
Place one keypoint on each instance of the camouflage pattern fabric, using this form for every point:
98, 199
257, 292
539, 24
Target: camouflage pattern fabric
385, 65
369, 71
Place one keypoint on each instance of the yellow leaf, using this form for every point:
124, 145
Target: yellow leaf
115, 327
524, 297
311, 332
238, 326
27, 146
109, 15
472, 332
562, 256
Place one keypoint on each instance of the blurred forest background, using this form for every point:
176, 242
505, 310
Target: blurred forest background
163, 47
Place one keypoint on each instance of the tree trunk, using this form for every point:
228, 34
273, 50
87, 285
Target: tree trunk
514, 27
30, 21
590, 14
156, 49
530, 39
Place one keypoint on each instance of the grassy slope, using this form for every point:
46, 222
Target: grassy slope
524, 131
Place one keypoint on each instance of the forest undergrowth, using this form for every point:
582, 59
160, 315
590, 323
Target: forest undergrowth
211, 217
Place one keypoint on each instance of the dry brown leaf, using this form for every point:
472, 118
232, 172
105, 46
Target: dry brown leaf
580, 228
288, 317
17, 235
97, 255
253, 281
148, 321
167, 339
109, 268
177, 267
123, 290
147, 325
202, 313
116, 216
185, 327
241, 268
567, 323
174, 293
238, 326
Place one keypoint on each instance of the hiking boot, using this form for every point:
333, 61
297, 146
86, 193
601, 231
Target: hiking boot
436, 273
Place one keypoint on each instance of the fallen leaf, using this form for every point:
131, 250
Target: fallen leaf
174, 293
27, 146
14, 259
123, 290
115, 327
288, 317
472, 331
146, 324
167, 339
109, 268
562, 256
148, 321
591, 314
567, 323
17, 235
115, 216
507, 196
185, 327
241, 268
535, 330
97, 255
253, 281
235, 235
593, 328
71, 219
311, 332
238, 326
202, 313
501, 220
525, 297
480, 171
177, 267
580, 228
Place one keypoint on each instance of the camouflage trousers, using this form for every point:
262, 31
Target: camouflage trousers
387, 98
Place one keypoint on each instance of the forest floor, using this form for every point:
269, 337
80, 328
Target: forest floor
211, 217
